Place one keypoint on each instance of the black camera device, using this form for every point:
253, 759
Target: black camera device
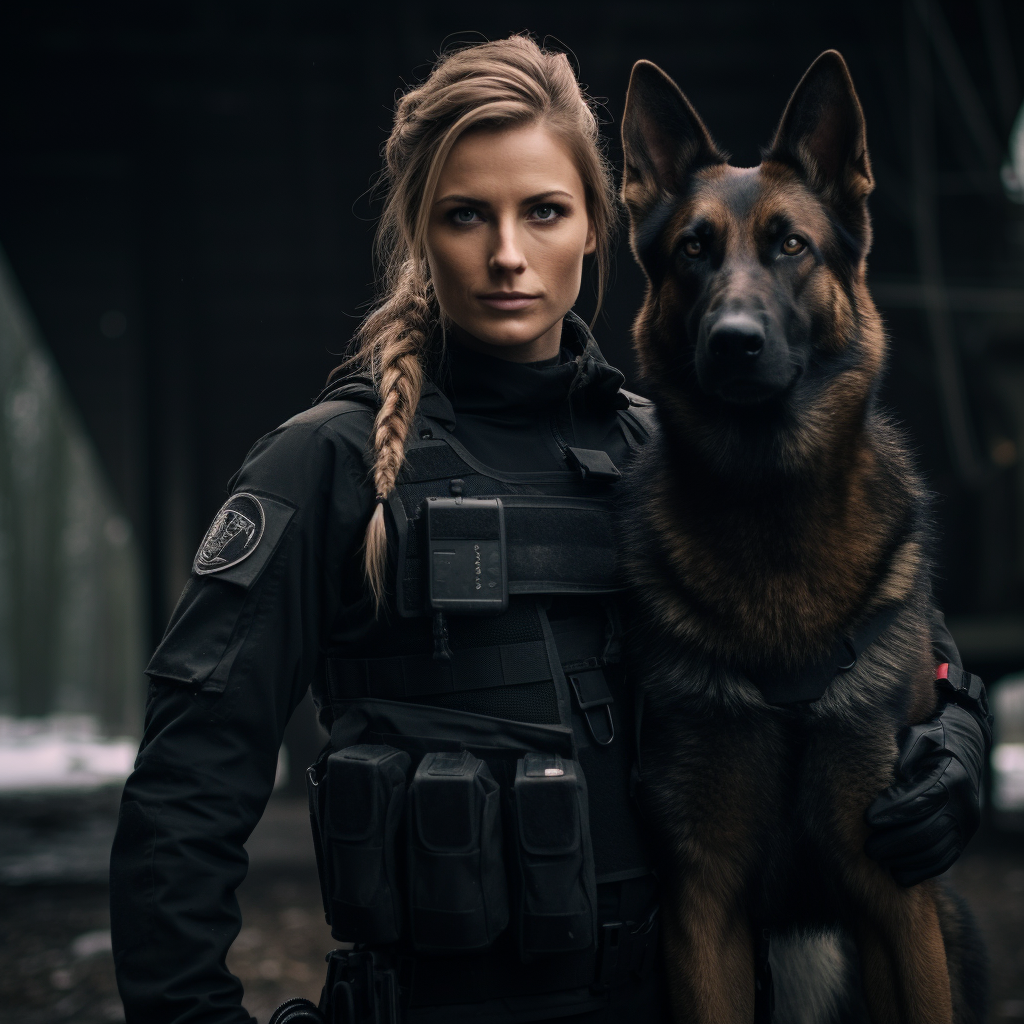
467, 567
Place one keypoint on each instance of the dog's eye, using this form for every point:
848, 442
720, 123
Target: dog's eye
793, 245
692, 247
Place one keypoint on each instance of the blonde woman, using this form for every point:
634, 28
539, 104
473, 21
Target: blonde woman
493, 629
431, 549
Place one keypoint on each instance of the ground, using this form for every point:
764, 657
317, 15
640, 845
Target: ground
56, 967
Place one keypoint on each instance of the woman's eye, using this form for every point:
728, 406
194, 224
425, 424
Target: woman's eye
546, 212
793, 245
692, 248
464, 215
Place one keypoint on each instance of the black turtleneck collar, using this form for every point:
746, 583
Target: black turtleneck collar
478, 383
470, 382
507, 414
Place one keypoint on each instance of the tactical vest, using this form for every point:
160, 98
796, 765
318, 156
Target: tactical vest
499, 656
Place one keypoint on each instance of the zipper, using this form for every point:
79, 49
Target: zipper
559, 439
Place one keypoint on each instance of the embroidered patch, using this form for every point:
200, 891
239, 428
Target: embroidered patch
233, 535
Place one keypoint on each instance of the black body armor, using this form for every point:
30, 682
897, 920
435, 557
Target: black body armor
475, 828
506, 873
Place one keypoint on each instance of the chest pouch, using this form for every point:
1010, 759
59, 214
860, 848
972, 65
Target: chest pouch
555, 892
361, 800
467, 567
458, 894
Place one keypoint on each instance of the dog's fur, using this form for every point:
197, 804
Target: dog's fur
776, 511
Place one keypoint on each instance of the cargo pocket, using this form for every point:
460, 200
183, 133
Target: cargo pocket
555, 892
458, 894
362, 800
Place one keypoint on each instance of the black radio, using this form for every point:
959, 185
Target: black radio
467, 569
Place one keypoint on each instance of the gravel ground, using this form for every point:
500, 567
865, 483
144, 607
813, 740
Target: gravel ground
56, 967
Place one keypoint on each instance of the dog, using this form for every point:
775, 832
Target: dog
775, 520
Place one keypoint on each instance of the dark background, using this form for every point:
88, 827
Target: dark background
184, 200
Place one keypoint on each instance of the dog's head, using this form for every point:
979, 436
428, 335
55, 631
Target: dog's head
757, 336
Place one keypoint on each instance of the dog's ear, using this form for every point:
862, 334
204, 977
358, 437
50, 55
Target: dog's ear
663, 140
822, 133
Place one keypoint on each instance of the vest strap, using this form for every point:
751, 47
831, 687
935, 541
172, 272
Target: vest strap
581, 643
420, 675
554, 545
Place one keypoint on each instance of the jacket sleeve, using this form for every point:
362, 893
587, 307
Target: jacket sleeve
236, 659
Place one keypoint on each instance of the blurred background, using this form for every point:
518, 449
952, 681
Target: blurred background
185, 226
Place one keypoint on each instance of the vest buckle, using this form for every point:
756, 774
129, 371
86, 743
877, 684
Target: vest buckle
591, 689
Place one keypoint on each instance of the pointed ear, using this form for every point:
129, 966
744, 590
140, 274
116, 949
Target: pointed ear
663, 140
822, 133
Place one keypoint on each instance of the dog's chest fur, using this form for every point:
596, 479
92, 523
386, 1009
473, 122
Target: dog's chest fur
723, 586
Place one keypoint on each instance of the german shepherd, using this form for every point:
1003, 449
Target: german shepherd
776, 513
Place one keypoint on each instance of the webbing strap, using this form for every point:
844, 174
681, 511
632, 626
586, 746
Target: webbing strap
580, 642
583, 643
420, 675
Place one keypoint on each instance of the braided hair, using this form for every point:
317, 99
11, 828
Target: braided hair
506, 83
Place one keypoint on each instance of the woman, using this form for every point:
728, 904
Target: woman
362, 553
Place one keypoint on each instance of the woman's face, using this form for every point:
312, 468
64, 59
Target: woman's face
506, 239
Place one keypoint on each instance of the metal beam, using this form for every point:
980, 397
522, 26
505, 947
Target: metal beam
976, 117
929, 249
1000, 56
958, 298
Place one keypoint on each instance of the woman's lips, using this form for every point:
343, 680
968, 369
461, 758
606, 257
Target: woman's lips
508, 300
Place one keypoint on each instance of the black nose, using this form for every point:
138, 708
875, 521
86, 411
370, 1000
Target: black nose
736, 338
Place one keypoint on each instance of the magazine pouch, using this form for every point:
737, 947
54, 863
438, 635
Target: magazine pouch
458, 894
556, 892
364, 793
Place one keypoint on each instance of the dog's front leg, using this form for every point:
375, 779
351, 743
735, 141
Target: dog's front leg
904, 970
709, 940
709, 947
712, 788
906, 979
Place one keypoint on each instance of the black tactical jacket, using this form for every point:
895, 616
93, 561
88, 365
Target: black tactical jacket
250, 634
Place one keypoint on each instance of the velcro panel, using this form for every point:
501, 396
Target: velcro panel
559, 550
432, 462
464, 522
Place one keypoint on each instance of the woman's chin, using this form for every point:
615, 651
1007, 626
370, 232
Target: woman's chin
520, 339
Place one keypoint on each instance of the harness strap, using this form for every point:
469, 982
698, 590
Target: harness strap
809, 682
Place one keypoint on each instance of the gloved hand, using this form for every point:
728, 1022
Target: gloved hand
924, 820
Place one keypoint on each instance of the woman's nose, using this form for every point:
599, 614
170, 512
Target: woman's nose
508, 255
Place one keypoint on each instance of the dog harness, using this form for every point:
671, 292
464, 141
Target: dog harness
809, 682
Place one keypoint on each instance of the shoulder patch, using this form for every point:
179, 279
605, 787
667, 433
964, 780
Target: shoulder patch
233, 535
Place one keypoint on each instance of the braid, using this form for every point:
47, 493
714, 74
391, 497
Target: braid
403, 324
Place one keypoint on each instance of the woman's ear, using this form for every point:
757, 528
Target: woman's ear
591, 247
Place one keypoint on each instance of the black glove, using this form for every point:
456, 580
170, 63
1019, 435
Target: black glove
924, 820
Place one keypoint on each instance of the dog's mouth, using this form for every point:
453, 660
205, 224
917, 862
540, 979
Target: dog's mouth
749, 392
745, 392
